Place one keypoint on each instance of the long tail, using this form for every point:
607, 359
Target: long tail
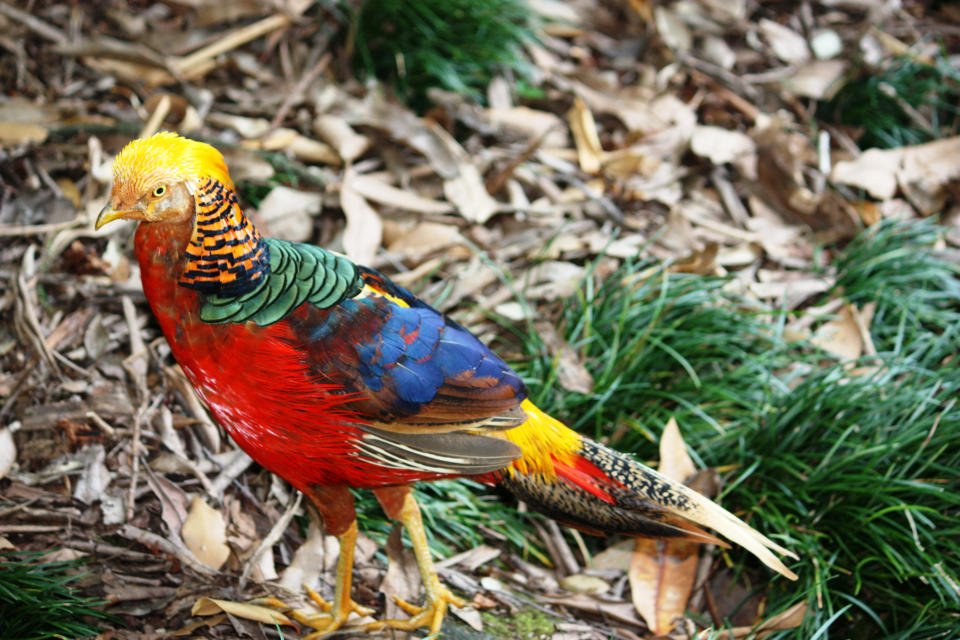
598, 490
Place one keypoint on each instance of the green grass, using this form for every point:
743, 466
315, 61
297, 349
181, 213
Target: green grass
457, 45
39, 600
880, 103
856, 471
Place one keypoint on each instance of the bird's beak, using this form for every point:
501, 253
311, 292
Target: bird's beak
109, 214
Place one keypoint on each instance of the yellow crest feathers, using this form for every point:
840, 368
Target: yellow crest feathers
164, 158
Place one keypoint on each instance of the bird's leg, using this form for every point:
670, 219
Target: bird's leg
400, 505
335, 505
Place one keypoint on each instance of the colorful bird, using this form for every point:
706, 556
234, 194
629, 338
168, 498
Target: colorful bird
331, 376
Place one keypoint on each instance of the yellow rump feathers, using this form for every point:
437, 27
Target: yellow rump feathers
166, 158
543, 439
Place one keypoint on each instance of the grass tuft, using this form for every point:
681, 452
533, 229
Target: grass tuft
906, 103
40, 600
457, 45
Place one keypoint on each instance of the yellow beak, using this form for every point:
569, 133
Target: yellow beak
109, 214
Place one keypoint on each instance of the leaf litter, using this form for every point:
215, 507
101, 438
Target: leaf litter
696, 149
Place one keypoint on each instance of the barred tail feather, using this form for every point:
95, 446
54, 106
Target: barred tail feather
603, 491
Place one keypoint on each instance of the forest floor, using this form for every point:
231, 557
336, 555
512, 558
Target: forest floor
712, 212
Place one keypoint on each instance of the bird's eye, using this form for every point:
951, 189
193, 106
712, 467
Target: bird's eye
159, 191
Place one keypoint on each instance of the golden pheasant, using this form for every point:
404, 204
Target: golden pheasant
331, 376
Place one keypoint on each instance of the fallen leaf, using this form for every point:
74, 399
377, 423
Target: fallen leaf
787, 44
922, 172
721, 145
8, 451
205, 534
364, 230
402, 578
211, 606
584, 128
310, 560
843, 336
425, 239
288, 213
789, 619
819, 79
379, 191
17, 133
662, 572
583, 583
94, 477
348, 143
572, 375
531, 123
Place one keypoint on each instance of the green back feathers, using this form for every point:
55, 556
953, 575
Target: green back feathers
298, 273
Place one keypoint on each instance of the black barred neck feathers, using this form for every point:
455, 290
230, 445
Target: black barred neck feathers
226, 255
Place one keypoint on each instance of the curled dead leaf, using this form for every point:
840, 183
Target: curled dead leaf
212, 606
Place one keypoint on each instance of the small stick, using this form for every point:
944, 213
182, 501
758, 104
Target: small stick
34, 23
276, 532
298, 90
156, 118
171, 547
241, 36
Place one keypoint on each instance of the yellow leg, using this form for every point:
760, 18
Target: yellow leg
343, 605
400, 505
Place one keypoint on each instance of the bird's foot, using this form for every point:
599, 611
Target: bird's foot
333, 618
431, 614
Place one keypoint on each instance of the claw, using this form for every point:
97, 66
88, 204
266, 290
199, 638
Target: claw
430, 615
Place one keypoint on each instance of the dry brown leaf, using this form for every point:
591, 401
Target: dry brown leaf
288, 213
364, 230
531, 123
787, 44
572, 375
379, 191
211, 606
584, 583
819, 79
205, 534
8, 452
701, 261
402, 579
788, 619
465, 189
584, 128
721, 145
94, 476
17, 133
847, 335
425, 239
922, 172
311, 560
662, 572
348, 143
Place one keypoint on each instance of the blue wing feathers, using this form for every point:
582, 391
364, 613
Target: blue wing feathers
408, 361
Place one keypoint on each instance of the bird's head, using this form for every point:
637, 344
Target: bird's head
155, 179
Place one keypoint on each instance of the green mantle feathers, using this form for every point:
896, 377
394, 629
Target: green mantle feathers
298, 273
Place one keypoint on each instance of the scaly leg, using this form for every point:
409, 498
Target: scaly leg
340, 519
400, 505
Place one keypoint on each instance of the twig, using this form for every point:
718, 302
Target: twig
188, 66
299, 90
34, 23
174, 547
231, 472
276, 532
138, 418
156, 118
